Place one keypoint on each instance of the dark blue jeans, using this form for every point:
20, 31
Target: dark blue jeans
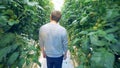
53, 62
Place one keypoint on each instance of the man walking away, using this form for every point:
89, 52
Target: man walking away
53, 41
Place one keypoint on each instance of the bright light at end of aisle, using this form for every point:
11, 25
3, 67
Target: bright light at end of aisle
58, 4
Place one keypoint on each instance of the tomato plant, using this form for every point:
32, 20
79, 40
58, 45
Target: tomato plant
94, 32
19, 26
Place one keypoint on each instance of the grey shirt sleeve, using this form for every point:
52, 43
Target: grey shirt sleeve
41, 42
65, 42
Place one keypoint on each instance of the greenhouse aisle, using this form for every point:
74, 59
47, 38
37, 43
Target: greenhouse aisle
66, 63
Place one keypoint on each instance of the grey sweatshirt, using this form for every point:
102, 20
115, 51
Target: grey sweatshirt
53, 38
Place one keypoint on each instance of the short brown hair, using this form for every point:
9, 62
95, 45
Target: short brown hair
55, 15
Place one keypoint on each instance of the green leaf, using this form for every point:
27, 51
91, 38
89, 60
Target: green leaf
85, 45
9, 12
109, 60
6, 39
101, 33
40, 7
83, 20
110, 37
102, 59
112, 29
35, 59
13, 58
111, 13
1, 65
14, 47
22, 61
4, 52
3, 20
95, 41
91, 33
88, 1
116, 48
28, 62
11, 22
75, 41
25, 1
2, 7
83, 32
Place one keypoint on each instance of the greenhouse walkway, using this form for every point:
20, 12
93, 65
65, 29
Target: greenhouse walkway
66, 63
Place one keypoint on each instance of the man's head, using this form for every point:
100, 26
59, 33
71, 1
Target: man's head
55, 15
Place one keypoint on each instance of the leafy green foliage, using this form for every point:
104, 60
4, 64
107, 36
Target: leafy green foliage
17, 52
19, 25
102, 59
93, 28
12, 58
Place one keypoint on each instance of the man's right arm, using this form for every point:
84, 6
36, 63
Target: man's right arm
41, 42
65, 44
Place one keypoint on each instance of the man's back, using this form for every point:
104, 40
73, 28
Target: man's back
54, 39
